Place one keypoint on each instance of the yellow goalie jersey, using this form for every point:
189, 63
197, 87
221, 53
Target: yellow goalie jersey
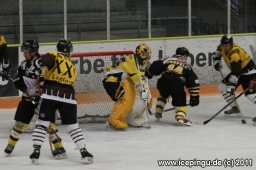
126, 68
237, 59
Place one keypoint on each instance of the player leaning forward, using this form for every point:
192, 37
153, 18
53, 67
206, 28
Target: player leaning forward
58, 94
242, 68
28, 80
175, 73
120, 83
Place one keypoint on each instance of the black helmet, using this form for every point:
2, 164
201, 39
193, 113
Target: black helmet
64, 46
226, 39
31, 45
181, 51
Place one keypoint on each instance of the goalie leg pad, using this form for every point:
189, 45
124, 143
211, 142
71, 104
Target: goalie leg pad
138, 121
123, 106
137, 111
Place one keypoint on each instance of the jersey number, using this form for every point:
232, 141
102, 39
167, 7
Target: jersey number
58, 67
177, 70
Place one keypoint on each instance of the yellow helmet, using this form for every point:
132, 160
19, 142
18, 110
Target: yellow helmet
144, 51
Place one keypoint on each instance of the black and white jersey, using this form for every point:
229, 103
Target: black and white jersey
175, 67
29, 78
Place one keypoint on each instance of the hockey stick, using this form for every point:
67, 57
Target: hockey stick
49, 139
52, 131
241, 114
207, 121
173, 108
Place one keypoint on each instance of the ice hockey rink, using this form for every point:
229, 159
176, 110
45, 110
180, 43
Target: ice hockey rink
226, 140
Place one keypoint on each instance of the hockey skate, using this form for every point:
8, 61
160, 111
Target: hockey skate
254, 121
158, 116
86, 156
185, 122
35, 155
233, 111
8, 150
59, 153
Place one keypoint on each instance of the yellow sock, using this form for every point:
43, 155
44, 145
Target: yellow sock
17, 130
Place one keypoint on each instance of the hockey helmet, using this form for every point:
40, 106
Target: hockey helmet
182, 51
226, 39
30, 45
144, 51
65, 46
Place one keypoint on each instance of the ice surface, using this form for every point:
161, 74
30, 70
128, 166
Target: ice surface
141, 148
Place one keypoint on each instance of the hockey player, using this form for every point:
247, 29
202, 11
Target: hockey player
29, 80
120, 82
175, 74
58, 94
4, 59
242, 70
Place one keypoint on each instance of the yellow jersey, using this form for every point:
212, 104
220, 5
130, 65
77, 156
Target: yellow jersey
237, 59
128, 67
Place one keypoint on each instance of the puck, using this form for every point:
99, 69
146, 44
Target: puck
243, 121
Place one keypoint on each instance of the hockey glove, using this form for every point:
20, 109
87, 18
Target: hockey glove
5, 73
194, 101
217, 63
147, 73
252, 85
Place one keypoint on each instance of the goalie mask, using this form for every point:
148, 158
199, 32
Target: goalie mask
65, 46
182, 51
144, 51
30, 46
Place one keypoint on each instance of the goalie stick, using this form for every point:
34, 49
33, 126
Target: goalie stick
241, 114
